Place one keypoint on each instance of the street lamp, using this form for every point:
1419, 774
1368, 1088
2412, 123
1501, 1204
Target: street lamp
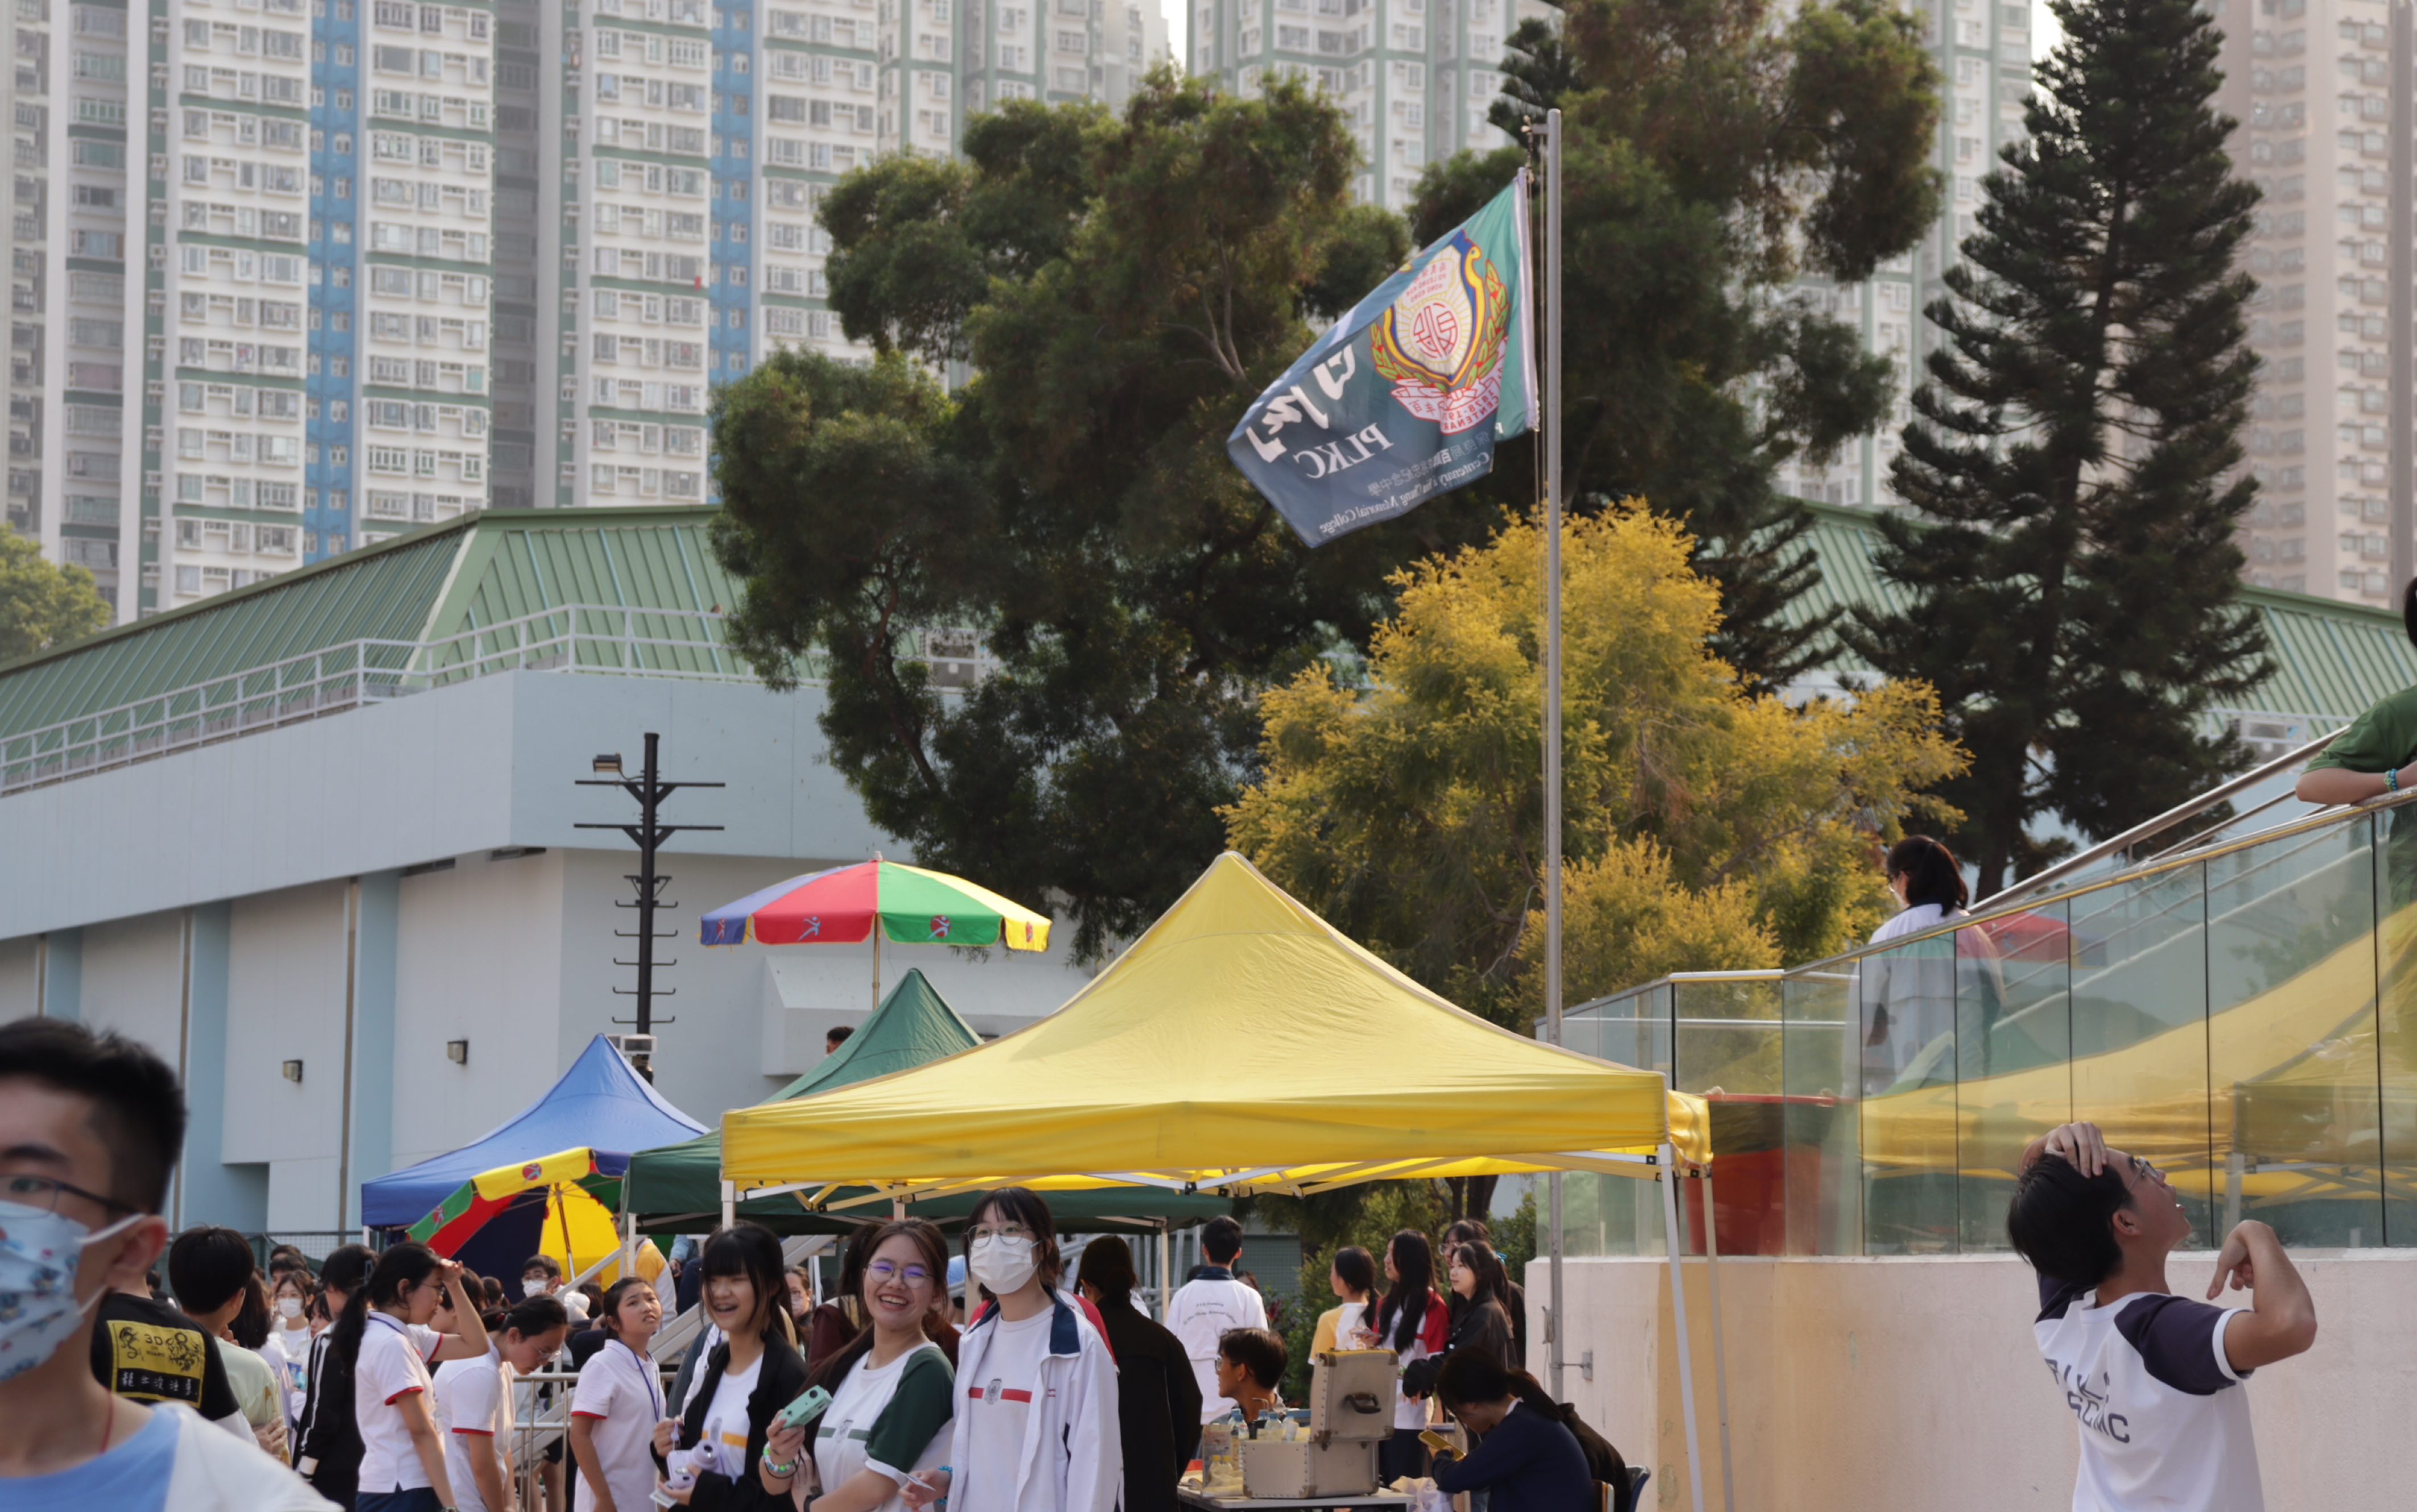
648, 837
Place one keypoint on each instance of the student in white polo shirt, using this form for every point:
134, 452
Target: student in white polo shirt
385, 1336
477, 1410
619, 1402
2153, 1378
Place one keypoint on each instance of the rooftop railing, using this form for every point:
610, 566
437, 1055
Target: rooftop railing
612, 640
2244, 1015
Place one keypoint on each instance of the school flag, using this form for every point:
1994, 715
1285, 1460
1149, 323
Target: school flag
1404, 398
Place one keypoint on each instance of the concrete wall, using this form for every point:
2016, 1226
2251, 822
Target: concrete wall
349, 885
472, 768
1858, 1383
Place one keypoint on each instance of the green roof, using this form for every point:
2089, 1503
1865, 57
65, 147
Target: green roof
427, 586
2332, 659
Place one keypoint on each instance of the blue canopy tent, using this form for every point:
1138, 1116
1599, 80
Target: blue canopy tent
599, 1103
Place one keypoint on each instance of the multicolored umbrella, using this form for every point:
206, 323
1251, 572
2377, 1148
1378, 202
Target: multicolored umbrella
838, 907
560, 1206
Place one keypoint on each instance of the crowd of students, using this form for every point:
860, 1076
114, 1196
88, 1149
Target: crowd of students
386, 1383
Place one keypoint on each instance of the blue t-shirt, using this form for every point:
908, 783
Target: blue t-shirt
131, 1477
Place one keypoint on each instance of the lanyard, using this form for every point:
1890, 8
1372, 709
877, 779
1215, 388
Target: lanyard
646, 1373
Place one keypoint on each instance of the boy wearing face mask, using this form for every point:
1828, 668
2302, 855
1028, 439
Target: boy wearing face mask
1035, 1428
90, 1126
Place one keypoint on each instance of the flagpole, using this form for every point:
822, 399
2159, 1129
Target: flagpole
1553, 682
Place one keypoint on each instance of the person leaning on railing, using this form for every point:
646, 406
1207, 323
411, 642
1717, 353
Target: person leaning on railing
2377, 754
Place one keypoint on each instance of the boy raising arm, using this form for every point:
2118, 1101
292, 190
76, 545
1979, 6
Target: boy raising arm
2148, 1375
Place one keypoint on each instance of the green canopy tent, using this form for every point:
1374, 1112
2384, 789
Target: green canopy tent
678, 1187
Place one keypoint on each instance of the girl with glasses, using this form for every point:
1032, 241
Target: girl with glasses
891, 1389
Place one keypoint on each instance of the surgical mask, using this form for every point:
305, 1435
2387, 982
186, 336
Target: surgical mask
533, 1287
1003, 1263
38, 1253
290, 1307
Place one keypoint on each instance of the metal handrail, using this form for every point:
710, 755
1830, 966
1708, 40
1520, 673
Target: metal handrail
2189, 809
620, 640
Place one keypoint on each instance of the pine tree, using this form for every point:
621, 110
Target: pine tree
2075, 457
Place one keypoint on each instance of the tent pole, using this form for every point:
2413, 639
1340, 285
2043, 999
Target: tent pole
1720, 1355
729, 1204
1673, 1242
629, 1245
1165, 1266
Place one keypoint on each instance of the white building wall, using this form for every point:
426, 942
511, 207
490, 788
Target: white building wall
286, 1001
477, 960
133, 979
1914, 1383
262, 851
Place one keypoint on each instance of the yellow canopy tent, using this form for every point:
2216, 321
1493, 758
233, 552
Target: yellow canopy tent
1241, 1044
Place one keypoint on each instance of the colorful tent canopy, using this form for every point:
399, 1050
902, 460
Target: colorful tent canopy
599, 1104
560, 1206
670, 1188
838, 907
1241, 1044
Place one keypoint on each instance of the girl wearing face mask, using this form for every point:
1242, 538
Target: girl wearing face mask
384, 1339
891, 1389
289, 1338
714, 1452
1037, 1427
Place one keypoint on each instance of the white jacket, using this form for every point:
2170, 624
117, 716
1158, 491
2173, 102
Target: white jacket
1074, 1453
216, 1471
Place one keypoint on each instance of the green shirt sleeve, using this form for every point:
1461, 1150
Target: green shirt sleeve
2380, 740
918, 1410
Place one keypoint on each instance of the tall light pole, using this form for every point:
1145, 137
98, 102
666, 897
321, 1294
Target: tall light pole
647, 835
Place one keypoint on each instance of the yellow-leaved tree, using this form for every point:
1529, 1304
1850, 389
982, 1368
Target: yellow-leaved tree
1706, 828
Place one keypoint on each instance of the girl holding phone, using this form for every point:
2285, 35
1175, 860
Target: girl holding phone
891, 1389
749, 1376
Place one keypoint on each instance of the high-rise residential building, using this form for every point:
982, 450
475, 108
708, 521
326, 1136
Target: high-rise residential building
1415, 78
2324, 102
1983, 49
288, 276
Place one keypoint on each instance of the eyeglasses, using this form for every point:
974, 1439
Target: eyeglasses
2141, 1167
43, 1192
882, 1270
1005, 1231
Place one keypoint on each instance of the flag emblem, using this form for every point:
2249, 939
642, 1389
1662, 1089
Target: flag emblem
1441, 343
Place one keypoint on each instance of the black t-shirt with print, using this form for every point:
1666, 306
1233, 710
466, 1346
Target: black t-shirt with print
147, 1351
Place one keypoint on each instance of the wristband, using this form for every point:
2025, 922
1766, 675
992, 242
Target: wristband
2392, 780
779, 1472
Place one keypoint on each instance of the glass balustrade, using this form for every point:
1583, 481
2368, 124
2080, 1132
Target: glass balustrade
2244, 1016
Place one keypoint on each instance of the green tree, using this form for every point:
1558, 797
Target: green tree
43, 606
1706, 827
1717, 150
1121, 287
2075, 456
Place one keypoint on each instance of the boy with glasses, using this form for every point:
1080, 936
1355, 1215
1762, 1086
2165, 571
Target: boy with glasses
2150, 1377
90, 1126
